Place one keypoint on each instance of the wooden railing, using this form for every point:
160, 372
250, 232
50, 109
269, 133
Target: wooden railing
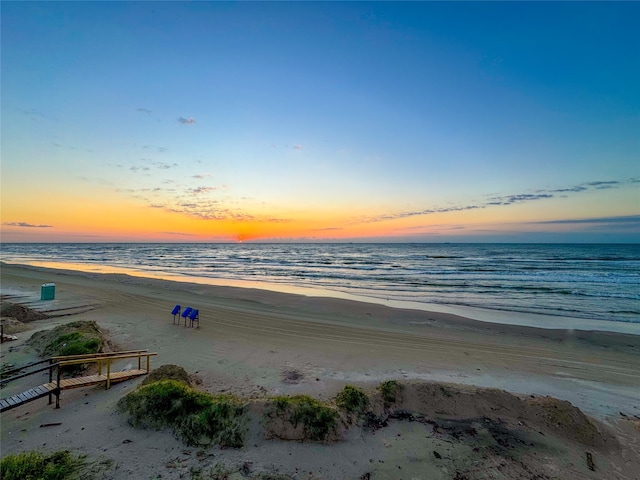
103, 361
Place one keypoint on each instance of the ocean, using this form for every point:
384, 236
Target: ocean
580, 281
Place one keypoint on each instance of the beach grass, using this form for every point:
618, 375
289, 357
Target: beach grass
318, 419
33, 465
167, 372
353, 400
390, 390
197, 418
75, 338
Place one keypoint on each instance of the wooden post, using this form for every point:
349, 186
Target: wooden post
58, 389
108, 374
50, 378
148, 363
139, 361
99, 367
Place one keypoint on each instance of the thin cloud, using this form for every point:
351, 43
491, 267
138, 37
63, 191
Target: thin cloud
202, 176
144, 110
201, 190
181, 234
298, 147
155, 147
603, 185
618, 220
36, 115
430, 211
519, 198
186, 121
164, 166
26, 224
505, 200
597, 185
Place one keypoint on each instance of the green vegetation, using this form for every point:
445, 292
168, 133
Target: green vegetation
390, 390
199, 419
168, 372
75, 338
317, 419
75, 343
352, 400
40, 466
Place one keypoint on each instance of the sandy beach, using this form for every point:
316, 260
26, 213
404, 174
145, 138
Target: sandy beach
250, 339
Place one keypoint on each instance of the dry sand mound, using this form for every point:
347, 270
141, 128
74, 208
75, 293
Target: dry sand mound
20, 312
566, 420
445, 401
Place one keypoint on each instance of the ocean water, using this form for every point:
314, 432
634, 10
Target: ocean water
583, 281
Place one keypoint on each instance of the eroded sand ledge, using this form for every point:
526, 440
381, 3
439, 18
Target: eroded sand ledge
250, 342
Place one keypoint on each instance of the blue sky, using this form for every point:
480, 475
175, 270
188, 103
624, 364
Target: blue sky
320, 121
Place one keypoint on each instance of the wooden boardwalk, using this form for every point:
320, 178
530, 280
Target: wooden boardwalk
55, 387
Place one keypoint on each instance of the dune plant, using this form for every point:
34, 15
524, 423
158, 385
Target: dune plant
352, 400
318, 419
167, 372
74, 338
40, 466
390, 390
197, 418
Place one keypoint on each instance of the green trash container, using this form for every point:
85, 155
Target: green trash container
48, 291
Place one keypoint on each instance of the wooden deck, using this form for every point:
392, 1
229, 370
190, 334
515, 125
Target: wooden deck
55, 387
65, 384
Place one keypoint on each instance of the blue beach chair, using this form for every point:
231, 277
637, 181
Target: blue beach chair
176, 312
194, 316
185, 314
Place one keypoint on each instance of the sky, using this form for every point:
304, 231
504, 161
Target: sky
328, 121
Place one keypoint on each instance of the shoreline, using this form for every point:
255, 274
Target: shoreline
492, 316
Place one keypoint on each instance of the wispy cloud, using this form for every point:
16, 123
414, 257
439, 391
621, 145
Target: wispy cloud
598, 223
504, 200
164, 166
155, 147
186, 121
202, 176
603, 185
180, 234
35, 114
298, 147
429, 211
635, 219
144, 110
519, 198
201, 190
26, 224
